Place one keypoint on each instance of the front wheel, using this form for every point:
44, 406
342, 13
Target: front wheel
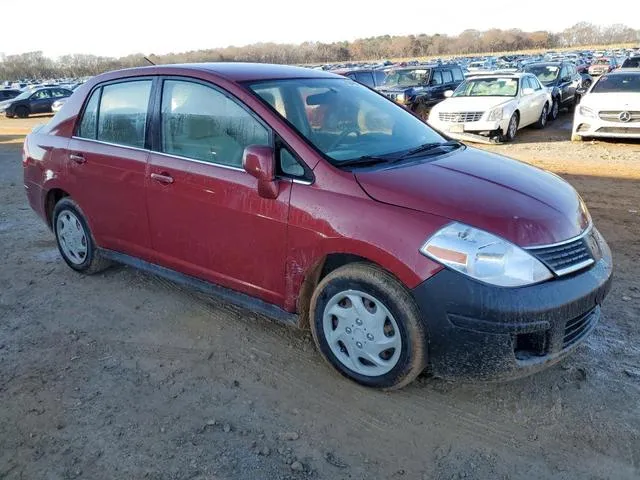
367, 326
22, 112
512, 128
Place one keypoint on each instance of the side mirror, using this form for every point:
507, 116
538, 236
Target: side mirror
448, 93
527, 91
259, 162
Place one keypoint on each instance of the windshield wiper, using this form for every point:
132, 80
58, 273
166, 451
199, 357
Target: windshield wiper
430, 146
364, 160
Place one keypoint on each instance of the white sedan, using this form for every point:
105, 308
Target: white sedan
494, 106
611, 108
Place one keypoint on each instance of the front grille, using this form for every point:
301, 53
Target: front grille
566, 257
614, 116
460, 117
623, 130
577, 328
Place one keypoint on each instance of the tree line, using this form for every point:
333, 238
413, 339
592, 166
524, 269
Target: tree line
36, 65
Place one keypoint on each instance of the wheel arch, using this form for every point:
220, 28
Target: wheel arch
52, 197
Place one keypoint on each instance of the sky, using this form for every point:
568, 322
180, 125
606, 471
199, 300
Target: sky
121, 27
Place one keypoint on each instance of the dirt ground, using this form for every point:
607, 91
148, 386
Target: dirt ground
125, 375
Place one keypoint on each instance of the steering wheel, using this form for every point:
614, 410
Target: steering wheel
342, 136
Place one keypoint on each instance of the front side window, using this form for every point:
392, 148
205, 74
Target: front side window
345, 120
437, 78
41, 95
88, 123
202, 123
488, 87
123, 113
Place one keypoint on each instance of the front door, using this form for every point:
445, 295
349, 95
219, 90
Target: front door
40, 101
107, 162
205, 214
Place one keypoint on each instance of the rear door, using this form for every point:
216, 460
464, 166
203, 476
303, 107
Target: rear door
205, 214
436, 87
106, 161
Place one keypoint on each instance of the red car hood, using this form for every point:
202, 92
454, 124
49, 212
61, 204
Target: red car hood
516, 201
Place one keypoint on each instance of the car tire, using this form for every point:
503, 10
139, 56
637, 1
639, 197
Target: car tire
422, 111
74, 239
512, 128
360, 310
542, 120
22, 112
9, 115
554, 112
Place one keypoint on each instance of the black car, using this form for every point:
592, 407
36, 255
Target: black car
631, 62
420, 87
33, 101
562, 80
8, 94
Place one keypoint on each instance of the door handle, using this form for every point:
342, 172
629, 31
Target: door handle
163, 178
75, 157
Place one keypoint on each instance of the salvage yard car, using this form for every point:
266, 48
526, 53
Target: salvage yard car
611, 109
419, 88
399, 248
493, 105
562, 80
33, 101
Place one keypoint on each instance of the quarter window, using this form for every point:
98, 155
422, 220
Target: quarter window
201, 123
87, 128
123, 113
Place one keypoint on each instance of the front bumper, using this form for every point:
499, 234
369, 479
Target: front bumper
482, 126
479, 331
596, 127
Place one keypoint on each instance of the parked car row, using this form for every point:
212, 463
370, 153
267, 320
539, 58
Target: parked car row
21, 99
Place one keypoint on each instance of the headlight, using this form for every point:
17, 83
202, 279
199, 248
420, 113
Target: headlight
401, 98
587, 112
484, 256
495, 114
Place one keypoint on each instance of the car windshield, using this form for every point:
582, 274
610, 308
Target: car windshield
488, 87
345, 120
24, 95
407, 77
547, 74
618, 83
601, 61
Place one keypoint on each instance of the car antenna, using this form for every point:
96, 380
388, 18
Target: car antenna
147, 59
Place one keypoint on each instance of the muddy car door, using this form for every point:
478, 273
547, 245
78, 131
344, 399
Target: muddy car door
206, 215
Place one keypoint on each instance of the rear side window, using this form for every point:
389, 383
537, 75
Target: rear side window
447, 76
88, 125
366, 78
123, 113
200, 122
457, 75
59, 93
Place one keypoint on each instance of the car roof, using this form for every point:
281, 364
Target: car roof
624, 71
500, 75
234, 71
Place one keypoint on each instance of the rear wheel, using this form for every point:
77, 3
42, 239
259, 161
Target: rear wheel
542, 120
74, 238
367, 326
22, 112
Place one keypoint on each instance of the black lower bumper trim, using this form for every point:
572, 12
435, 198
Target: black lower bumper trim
481, 331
